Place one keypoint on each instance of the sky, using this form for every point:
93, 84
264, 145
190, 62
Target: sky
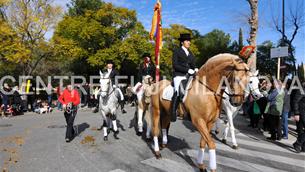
227, 15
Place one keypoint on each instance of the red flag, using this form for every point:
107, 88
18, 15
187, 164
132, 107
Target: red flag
156, 32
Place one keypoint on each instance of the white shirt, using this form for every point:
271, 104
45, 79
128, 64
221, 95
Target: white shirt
186, 51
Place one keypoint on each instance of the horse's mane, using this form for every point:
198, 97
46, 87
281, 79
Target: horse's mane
217, 60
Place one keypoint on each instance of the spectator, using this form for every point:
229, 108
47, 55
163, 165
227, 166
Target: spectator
298, 109
5, 98
86, 95
275, 108
58, 93
285, 113
70, 100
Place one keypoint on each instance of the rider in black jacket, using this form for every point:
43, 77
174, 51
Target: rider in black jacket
183, 63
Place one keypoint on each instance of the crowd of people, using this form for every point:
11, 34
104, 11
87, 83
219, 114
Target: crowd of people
275, 108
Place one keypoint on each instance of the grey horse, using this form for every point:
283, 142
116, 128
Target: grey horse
108, 106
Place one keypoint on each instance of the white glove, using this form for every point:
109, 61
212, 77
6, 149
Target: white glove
196, 70
191, 71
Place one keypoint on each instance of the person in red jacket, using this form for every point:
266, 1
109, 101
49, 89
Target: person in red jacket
70, 99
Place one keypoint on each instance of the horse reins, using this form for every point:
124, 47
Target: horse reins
216, 93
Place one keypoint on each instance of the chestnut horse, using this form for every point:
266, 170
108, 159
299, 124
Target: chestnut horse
203, 101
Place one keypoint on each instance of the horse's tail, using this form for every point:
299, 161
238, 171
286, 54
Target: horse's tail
155, 110
158, 105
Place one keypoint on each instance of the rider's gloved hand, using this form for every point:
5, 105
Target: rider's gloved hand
191, 71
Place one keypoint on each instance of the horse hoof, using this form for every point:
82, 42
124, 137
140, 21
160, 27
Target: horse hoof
105, 138
202, 167
203, 170
139, 133
115, 135
224, 141
235, 147
163, 146
148, 140
158, 155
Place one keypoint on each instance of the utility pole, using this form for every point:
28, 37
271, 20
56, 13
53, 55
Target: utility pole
283, 20
283, 39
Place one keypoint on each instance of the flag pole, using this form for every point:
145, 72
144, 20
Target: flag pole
157, 47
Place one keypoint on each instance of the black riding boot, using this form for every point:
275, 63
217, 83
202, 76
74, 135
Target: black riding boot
175, 102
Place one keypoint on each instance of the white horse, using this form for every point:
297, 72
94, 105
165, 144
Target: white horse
231, 111
142, 90
108, 106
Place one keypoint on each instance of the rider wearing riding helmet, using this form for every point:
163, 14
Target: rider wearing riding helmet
146, 68
111, 72
183, 64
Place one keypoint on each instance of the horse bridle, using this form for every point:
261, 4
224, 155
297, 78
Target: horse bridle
107, 95
217, 94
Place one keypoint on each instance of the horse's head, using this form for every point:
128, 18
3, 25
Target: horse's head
239, 78
253, 85
148, 80
105, 84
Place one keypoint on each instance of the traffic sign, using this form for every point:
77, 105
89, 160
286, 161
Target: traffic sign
279, 52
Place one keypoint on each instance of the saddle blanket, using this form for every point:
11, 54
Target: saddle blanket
168, 93
169, 90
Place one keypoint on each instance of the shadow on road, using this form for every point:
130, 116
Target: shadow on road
81, 128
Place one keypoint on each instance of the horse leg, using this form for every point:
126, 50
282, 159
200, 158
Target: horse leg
204, 130
140, 118
109, 123
200, 156
155, 131
225, 133
165, 127
148, 119
232, 131
105, 129
105, 125
115, 128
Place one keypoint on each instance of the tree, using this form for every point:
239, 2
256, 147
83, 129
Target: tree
88, 39
265, 64
79, 7
240, 39
30, 21
253, 22
296, 21
211, 44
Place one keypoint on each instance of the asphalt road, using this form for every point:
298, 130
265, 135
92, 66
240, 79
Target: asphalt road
33, 143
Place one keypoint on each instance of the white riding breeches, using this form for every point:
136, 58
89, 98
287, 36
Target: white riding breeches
177, 81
